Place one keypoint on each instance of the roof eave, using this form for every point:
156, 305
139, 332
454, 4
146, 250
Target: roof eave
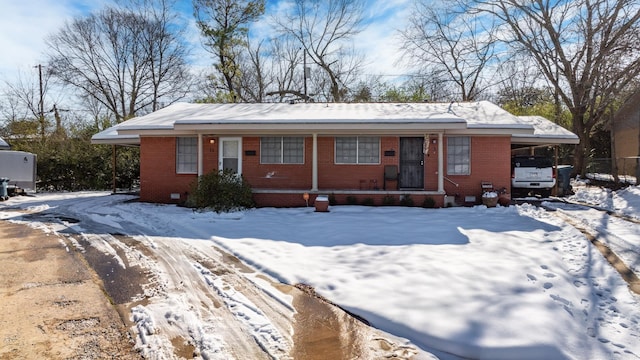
320, 126
545, 140
295, 128
117, 140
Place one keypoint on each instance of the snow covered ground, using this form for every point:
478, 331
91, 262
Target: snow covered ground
486, 283
622, 237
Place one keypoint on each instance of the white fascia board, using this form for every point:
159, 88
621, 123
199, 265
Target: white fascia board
544, 140
518, 128
149, 132
489, 132
131, 129
321, 127
310, 120
120, 140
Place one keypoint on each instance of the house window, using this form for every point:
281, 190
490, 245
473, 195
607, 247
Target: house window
358, 150
458, 155
187, 155
282, 150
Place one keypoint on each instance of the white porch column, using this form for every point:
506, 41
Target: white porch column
440, 164
200, 155
314, 164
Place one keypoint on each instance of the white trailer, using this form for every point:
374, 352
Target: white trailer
4, 145
20, 168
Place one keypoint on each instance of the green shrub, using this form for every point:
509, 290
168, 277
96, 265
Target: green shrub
69, 162
220, 191
332, 199
352, 200
388, 200
406, 200
368, 202
429, 202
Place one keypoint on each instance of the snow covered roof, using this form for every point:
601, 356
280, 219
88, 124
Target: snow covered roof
111, 136
325, 119
4, 145
545, 130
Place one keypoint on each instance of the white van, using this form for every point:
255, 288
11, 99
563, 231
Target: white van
532, 175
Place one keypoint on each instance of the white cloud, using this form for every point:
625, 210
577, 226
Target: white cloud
379, 41
24, 26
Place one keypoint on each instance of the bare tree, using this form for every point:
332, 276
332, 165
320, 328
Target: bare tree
453, 44
523, 90
18, 121
325, 30
100, 116
255, 74
163, 39
419, 88
126, 60
586, 49
26, 99
520, 81
287, 57
224, 25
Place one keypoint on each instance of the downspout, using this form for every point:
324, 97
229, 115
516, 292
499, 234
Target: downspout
314, 164
440, 164
200, 155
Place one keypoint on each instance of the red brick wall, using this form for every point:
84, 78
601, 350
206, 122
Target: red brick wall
209, 154
353, 177
158, 178
490, 161
276, 176
330, 175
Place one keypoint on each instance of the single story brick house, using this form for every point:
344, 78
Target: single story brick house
350, 151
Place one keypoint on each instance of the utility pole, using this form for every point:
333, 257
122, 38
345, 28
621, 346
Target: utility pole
304, 68
42, 125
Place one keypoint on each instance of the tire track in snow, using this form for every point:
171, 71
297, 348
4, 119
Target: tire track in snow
598, 310
263, 331
625, 272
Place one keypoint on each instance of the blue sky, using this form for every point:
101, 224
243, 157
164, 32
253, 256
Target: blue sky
24, 24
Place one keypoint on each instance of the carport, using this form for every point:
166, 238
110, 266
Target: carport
544, 137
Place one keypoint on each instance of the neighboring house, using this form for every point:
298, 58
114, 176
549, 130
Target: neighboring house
438, 151
626, 137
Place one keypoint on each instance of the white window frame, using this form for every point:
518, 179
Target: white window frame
283, 150
455, 156
187, 155
358, 160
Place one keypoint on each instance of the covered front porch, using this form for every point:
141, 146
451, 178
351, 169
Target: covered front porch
383, 183
429, 142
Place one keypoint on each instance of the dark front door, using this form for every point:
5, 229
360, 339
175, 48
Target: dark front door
411, 163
